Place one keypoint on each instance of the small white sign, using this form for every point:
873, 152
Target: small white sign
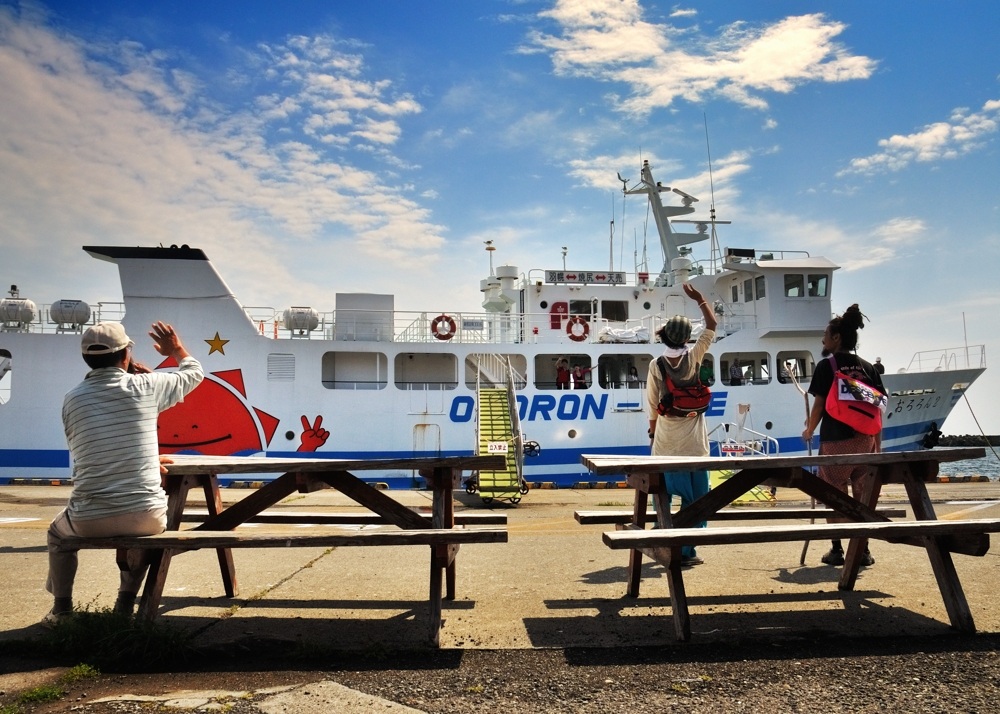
496, 447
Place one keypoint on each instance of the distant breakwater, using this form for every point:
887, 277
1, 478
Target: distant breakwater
969, 440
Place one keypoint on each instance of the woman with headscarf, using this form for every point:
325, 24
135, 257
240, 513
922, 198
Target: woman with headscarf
681, 436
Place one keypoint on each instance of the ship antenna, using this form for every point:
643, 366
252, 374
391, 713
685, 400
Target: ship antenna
624, 183
716, 253
611, 244
489, 249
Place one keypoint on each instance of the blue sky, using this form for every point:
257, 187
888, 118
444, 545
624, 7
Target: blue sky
316, 147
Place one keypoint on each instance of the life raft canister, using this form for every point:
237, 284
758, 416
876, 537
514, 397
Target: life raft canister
443, 327
577, 328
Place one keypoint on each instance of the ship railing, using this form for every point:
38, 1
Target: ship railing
45, 323
734, 317
731, 439
497, 370
472, 328
948, 359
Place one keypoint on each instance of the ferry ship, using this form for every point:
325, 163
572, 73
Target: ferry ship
361, 379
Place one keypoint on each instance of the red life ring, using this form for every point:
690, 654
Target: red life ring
574, 334
443, 327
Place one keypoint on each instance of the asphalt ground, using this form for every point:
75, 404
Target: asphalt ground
554, 585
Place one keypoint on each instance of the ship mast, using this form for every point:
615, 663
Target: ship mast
670, 240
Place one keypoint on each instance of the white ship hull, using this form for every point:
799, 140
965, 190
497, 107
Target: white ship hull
368, 381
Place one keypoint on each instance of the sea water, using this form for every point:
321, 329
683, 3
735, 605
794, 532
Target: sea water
988, 466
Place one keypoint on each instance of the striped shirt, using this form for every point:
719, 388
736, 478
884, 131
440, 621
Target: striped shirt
110, 425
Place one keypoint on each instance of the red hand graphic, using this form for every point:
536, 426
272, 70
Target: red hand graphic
313, 436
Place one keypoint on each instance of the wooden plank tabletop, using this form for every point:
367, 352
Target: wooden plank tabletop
602, 464
185, 464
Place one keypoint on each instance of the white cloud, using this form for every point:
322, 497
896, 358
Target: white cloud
886, 242
610, 41
683, 12
116, 144
963, 133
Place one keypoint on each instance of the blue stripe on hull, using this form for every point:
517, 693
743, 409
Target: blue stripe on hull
558, 467
34, 458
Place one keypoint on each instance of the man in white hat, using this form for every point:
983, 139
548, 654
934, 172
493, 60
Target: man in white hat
110, 424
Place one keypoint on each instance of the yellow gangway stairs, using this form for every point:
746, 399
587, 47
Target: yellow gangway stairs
497, 436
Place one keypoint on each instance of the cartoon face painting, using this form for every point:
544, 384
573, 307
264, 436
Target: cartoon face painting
215, 420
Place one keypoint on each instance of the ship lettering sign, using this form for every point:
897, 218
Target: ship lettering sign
541, 407
585, 277
496, 447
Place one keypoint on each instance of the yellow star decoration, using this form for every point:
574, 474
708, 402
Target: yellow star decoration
217, 344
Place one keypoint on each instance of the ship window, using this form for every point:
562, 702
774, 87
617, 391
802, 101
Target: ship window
581, 307
628, 371
355, 370
547, 371
736, 294
748, 290
818, 285
6, 375
754, 368
759, 286
707, 370
431, 371
794, 286
798, 364
614, 310
491, 370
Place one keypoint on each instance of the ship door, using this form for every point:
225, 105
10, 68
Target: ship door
427, 440
558, 313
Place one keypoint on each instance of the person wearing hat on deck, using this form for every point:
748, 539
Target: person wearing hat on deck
879, 367
681, 436
110, 424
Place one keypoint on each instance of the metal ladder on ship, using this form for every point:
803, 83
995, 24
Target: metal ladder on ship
498, 431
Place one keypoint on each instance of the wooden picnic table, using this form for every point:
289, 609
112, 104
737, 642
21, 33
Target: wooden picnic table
304, 475
913, 469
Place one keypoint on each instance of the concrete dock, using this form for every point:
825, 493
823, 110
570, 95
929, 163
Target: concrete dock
553, 585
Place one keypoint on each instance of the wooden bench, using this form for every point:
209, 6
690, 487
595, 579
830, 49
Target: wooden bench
663, 545
729, 514
444, 545
359, 518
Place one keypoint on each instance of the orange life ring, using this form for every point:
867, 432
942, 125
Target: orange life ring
574, 334
443, 327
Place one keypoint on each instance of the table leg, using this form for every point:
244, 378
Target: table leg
213, 499
635, 556
435, 599
857, 546
941, 561
159, 560
678, 597
442, 482
156, 578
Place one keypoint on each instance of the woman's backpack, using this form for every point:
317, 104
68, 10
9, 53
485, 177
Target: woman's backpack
855, 403
682, 401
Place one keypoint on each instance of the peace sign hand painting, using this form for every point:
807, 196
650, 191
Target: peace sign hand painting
313, 436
